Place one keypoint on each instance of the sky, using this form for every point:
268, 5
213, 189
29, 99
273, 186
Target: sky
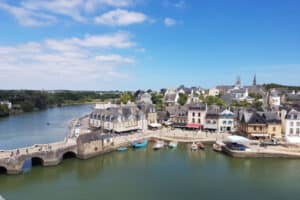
142, 44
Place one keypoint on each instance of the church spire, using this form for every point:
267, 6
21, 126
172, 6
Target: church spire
238, 82
254, 80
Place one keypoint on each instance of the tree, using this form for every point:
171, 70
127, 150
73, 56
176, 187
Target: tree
125, 97
4, 111
211, 100
182, 99
157, 99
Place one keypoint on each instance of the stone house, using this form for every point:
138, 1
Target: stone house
150, 112
124, 118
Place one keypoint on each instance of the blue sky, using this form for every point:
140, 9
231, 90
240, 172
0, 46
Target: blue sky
132, 44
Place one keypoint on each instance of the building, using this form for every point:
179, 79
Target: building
177, 115
274, 99
274, 128
253, 125
124, 118
144, 98
196, 115
261, 125
7, 103
150, 112
211, 121
292, 126
171, 97
226, 121
213, 92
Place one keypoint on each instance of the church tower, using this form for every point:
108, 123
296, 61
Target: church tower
254, 80
238, 83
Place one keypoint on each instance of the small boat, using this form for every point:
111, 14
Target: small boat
200, 145
218, 146
158, 145
122, 149
173, 144
140, 144
194, 147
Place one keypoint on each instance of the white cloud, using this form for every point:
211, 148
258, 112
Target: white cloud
114, 58
169, 22
180, 4
120, 17
44, 12
27, 17
57, 63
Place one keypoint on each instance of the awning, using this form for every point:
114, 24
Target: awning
193, 125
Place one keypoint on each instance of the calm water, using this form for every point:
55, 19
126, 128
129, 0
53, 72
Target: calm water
140, 174
31, 128
166, 174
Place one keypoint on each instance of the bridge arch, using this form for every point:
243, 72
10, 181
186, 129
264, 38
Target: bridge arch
3, 170
68, 155
37, 161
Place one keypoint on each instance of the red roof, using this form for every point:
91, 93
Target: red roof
193, 125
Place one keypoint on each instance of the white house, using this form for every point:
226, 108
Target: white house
213, 92
7, 103
226, 121
292, 126
196, 115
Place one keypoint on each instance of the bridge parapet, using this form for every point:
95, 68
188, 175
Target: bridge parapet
50, 154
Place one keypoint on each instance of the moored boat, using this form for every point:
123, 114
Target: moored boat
218, 146
122, 149
194, 147
158, 145
140, 144
200, 145
173, 144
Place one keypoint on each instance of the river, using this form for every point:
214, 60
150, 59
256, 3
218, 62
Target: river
38, 127
146, 174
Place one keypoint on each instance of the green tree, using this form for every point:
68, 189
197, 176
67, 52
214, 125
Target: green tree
4, 111
125, 97
182, 99
27, 106
157, 99
211, 100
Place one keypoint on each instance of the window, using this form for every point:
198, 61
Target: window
254, 128
291, 123
224, 122
291, 131
193, 114
199, 114
193, 120
229, 122
199, 121
298, 131
298, 123
274, 129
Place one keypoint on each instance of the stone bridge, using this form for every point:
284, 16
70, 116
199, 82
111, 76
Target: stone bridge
12, 161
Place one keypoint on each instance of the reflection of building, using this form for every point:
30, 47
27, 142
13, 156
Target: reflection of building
119, 119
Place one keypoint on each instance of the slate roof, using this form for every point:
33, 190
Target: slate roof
118, 114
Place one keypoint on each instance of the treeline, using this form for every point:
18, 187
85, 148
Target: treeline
30, 100
275, 85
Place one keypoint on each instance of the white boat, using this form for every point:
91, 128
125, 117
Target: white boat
173, 144
194, 147
158, 145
